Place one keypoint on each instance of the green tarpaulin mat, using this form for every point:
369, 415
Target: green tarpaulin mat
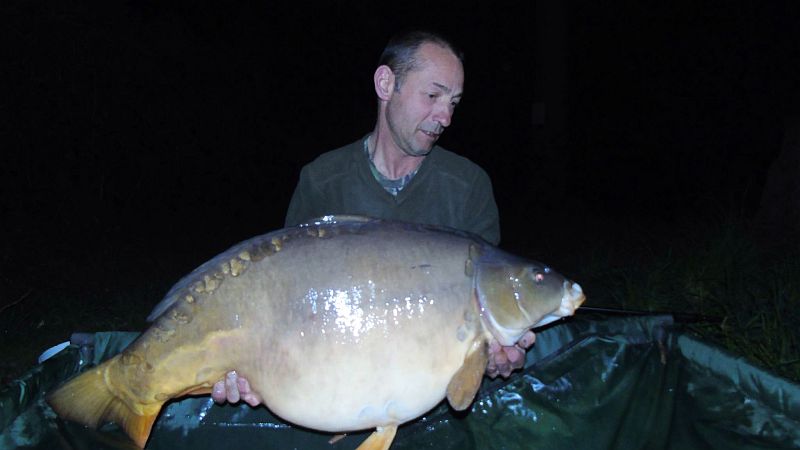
591, 382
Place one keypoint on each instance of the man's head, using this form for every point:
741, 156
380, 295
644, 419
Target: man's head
419, 83
400, 53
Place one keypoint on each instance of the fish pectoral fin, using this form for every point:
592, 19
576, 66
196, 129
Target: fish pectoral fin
381, 439
465, 383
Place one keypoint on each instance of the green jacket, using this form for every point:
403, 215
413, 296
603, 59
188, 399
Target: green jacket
447, 190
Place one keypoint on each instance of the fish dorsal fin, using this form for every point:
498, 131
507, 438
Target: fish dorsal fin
465, 383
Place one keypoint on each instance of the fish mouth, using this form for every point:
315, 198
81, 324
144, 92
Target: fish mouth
572, 299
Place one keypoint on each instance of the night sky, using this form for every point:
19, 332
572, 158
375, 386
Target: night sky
179, 128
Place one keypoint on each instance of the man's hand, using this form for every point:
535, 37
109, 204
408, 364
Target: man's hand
233, 388
504, 360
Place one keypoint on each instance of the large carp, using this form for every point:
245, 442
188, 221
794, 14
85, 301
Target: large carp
339, 325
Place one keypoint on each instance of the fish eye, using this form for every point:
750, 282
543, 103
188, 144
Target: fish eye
537, 275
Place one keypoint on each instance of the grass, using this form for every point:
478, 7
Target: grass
62, 293
723, 271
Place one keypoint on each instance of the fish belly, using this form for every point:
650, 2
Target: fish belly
336, 334
390, 377
357, 343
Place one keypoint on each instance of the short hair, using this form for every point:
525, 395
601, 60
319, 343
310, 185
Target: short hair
400, 53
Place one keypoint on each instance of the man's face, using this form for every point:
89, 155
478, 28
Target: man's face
421, 108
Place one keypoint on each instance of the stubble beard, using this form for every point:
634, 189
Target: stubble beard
417, 152
407, 145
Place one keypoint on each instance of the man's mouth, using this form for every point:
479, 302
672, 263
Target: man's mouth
431, 134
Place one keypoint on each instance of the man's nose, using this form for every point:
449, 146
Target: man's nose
443, 114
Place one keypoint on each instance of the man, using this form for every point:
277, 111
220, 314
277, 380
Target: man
397, 172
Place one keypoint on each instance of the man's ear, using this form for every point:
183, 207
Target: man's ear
384, 82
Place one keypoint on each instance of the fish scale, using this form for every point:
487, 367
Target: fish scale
342, 324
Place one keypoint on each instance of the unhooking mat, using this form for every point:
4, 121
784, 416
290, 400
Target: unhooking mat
590, 382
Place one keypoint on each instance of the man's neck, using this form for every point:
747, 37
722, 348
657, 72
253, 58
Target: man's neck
388, 158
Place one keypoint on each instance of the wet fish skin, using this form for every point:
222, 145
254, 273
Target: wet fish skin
339, 325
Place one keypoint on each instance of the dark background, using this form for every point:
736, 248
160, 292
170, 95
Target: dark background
141, 138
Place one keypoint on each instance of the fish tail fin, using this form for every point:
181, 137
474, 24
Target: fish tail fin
89, 400
136, 426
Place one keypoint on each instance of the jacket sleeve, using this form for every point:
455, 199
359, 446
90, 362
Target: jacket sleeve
305, 202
